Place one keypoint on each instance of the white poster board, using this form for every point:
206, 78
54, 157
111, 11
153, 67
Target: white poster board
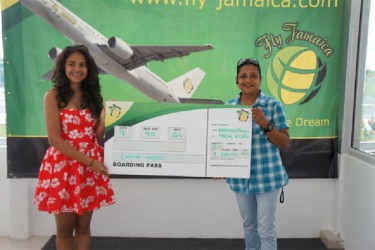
172, 140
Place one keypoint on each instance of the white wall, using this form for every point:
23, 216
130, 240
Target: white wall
4, 194
357, 203
206, 208
356, 188
202, 208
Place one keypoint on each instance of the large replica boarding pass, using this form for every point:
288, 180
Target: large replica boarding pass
172, 139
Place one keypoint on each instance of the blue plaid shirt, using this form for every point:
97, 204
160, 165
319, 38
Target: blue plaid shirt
267, 171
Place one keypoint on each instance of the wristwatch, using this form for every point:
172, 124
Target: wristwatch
268, 128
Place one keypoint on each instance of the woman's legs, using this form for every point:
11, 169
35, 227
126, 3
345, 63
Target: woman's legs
266, 204
69, 225
65, 224
82, 232
248, 210
258, 213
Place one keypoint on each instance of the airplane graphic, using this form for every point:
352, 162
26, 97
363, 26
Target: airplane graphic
116, 57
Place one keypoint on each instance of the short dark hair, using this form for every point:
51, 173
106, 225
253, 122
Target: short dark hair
247, 61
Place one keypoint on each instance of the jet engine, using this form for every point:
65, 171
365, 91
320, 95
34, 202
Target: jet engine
120, 47
54, 53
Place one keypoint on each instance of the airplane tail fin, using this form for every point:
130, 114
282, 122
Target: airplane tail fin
185, 85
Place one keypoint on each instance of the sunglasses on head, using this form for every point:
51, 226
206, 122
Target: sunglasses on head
244, 61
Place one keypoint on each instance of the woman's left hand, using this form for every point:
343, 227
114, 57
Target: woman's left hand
279, 138
259, 117
99, 167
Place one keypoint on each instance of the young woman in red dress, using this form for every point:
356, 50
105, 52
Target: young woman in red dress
73, 181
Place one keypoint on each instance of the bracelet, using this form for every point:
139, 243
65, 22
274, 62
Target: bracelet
91, 162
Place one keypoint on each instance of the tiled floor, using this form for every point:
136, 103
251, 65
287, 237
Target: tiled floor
34, 243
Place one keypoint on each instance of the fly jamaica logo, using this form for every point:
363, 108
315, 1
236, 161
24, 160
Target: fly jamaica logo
115, 111
243, 115
188, 85
295, 74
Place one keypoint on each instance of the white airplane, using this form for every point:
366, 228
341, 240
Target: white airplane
116, 57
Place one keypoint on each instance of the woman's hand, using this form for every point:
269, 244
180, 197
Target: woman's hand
259, 117
99, 167
279, 138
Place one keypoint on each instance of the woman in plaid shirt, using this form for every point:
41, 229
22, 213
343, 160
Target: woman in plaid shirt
257, 196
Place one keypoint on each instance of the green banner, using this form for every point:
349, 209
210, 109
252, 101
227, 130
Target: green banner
298, 44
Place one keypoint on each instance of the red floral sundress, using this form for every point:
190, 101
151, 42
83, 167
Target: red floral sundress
66, 185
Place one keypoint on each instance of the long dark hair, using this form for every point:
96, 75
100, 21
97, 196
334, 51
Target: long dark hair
91, 96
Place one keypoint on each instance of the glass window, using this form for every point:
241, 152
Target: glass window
364, 123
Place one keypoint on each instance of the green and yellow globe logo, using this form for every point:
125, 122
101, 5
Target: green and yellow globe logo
243, 115
295, 75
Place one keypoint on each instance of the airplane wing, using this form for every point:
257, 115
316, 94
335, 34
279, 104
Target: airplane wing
144, 54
